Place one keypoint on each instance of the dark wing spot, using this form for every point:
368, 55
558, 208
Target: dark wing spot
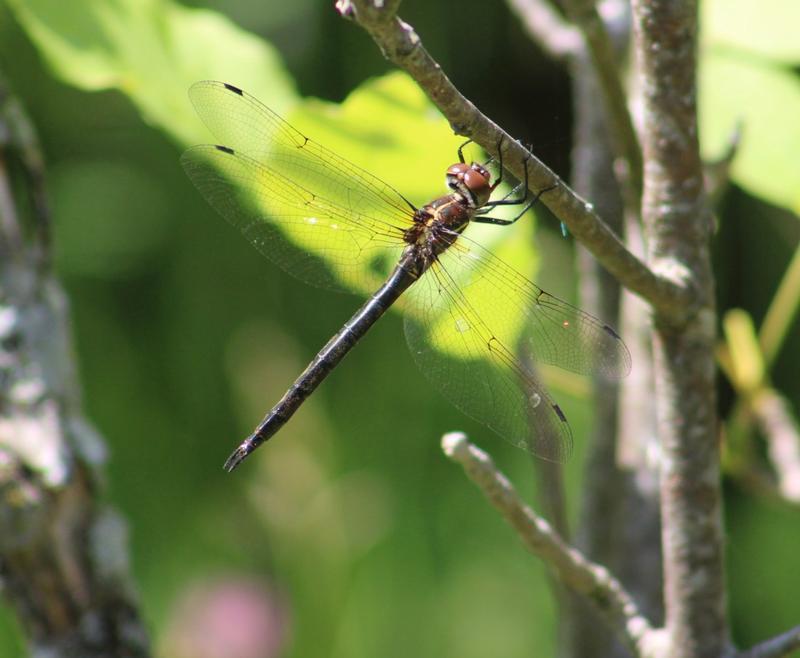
559, 413
235, 90
609, 330
224, 149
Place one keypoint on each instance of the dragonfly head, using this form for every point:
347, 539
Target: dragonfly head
472, 181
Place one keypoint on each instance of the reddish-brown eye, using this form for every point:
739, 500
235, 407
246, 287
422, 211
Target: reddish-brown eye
477, 181
483, 171
458, 169
471, 180
455, 175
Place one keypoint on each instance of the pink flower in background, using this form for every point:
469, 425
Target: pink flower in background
232, 617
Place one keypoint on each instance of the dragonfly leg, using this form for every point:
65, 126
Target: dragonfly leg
505, 201
485, 219
499, 161
461, 151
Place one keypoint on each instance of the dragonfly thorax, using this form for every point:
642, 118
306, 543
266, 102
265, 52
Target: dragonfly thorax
472, 181
436, 227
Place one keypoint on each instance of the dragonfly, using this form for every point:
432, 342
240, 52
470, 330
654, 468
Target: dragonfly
476, 327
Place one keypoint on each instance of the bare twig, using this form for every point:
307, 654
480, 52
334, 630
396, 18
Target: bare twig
19, 133
623, 135
591, 580
402, 46
717, 173
63, 557
547, 27
678, 227
599, 533
783, 441
777, 647
10, 226
742, 360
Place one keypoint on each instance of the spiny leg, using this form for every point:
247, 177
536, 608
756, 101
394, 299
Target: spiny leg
499, 161
461, 151
505, 201
484, 219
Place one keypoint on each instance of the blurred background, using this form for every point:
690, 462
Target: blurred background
350, 533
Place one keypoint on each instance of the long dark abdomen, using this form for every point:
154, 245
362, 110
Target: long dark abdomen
327, 359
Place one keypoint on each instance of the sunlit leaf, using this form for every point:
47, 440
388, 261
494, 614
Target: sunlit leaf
765, 101
151, 50
389, 127
767, 28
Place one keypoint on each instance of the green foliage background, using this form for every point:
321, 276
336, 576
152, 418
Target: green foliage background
365, 539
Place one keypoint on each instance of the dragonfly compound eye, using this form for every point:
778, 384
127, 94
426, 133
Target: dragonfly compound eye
455, 175
477, 181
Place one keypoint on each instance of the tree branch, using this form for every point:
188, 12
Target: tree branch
402, 46
742, 360
783, 441
624, 140
678, 228
600, 532
63, 557
547, 28
777, 647
591, 580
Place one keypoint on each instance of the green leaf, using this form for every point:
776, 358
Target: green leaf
152, 50
761, 27
765, 101
387, 126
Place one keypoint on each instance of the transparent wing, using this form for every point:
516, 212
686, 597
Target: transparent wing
544, 326
472, 325
479, 374
242, 123
310, 236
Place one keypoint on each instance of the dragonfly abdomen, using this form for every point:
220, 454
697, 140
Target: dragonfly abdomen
326, 360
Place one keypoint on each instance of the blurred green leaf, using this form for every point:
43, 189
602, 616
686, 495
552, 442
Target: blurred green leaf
765, 101
764, 27
389, 127
747, 363
151, 50
102, 230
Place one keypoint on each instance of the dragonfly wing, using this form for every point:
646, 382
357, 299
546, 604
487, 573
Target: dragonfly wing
308, 235
463, 356
241, 122
476, 326
544, 326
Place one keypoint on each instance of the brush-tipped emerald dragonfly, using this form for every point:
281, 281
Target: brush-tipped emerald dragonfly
468, 315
